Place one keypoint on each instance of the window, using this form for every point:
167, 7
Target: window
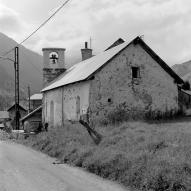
135, 72
109, 100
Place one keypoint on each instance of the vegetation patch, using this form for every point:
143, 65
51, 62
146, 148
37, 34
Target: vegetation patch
139, 155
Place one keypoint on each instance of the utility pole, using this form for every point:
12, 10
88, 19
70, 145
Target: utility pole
29, 101
17, 112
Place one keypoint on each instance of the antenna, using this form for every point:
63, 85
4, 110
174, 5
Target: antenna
90, 42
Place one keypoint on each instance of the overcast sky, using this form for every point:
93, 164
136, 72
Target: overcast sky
165, 24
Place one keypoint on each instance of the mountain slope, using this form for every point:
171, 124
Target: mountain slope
183, 70
30, 65
30, 70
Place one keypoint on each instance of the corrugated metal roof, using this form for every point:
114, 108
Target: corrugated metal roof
36, 97
31, 113
84, 69
186, 91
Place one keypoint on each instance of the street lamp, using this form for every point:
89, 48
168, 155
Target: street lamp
16, 66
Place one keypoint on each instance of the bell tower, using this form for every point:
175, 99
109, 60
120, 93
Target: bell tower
53, 64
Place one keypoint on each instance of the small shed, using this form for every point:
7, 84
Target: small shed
33, 119
11, 111
36, 101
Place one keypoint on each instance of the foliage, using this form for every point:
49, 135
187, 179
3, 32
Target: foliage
122, 114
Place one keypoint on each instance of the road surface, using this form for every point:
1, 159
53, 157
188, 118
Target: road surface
23, 169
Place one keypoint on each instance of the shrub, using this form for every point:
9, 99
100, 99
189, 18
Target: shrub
118, 115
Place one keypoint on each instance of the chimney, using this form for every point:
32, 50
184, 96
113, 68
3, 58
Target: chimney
86, 52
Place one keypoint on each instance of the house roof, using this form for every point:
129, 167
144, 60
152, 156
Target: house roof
31, 113
116, 43
186, 91
36, 97
84, 70
13, 107
4, 115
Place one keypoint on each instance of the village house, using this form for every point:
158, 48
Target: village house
34, 117
35, 101
11, 111
128, 76
4, 117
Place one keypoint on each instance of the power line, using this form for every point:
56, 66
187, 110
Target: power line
57, 10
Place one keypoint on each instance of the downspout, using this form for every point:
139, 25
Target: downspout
62, 107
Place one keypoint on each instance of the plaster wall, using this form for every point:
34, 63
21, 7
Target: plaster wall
53, 115
76, 95
70, 102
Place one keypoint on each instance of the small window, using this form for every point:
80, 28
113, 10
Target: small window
109, 100
135, 72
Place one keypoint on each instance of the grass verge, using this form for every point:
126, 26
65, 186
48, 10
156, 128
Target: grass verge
137, 154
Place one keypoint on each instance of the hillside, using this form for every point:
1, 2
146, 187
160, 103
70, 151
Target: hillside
183, 70
30, 71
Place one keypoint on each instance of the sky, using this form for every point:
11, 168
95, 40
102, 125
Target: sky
165, 24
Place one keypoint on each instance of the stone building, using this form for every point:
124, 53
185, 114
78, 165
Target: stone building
127, 76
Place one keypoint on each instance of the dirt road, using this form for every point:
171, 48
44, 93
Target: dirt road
23, 169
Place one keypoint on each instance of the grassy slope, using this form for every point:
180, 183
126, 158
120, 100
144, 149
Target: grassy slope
141, 155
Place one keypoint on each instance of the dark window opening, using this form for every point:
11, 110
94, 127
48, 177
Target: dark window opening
135, 72
109, 100
92, 77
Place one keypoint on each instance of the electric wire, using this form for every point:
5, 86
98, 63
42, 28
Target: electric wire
41, 25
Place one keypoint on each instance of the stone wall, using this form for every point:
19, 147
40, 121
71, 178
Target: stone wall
50, 74
113, 86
